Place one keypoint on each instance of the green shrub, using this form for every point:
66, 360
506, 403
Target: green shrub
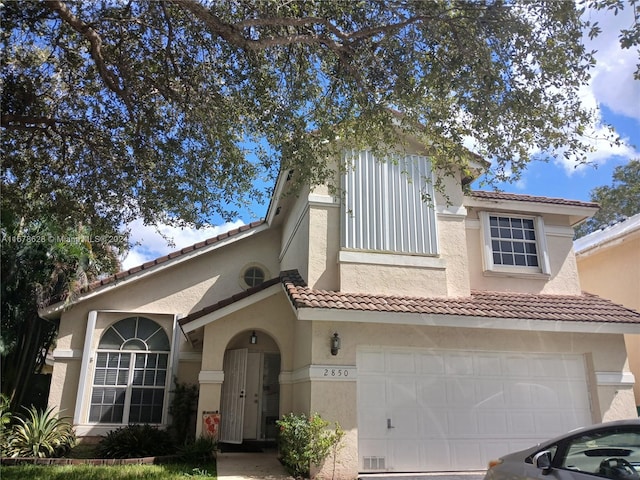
40, 434
5, 423
304, 441
202, 449
135, 441
182, 410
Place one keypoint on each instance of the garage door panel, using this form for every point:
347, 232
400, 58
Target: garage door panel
460, 391
405, 453
372, 424
374, 361
493, 423
371, 392
436, 454
523, 422
545, 393
401, 362
401, 392
404, 423
434, 423
454, 410
459, 365
431, 393
467, 455
462, 422
491, 393
487, 365
432, 363
516, 366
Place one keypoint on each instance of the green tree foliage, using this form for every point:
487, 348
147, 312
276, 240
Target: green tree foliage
617, 201
171, 110
41, 262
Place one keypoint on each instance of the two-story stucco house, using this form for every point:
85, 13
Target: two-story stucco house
438, 334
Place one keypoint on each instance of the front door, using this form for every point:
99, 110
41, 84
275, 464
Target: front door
233, 396
252, 400
250, 396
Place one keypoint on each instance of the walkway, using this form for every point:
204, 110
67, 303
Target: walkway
248, 465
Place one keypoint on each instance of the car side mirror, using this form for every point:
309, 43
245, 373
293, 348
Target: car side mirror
542, 460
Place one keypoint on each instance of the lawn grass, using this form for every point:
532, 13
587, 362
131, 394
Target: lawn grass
172, 471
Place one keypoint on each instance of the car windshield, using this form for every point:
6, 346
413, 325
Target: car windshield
614, 455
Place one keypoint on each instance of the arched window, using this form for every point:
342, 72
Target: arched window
130, 373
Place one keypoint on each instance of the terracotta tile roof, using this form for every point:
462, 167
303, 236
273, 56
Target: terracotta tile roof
178, 253
575, 308
570, 308
530, 198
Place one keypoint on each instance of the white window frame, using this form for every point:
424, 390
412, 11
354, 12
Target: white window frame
87, 370
543, 270
243, 284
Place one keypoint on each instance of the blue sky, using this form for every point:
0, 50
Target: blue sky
612, 90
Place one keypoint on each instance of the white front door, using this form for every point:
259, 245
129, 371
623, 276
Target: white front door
445, 410
233, 396
252, 398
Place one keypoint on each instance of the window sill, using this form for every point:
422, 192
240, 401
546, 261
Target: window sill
517, 274
393, 259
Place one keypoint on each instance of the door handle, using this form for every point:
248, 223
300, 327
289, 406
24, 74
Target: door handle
389, 423
241, 393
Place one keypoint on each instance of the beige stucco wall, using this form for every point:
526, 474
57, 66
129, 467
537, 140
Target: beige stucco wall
323, 246
613, 271
177, 290
294, 242
337, 401
271, 317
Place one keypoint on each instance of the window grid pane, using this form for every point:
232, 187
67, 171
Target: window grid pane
121, 380
111, 368
107, 405
146, 405
513, 241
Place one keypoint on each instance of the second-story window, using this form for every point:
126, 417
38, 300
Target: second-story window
514, 244
388, 204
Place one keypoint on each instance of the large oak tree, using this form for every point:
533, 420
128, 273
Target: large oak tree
176, 111
171, 110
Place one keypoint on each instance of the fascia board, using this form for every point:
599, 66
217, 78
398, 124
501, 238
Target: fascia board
275, 197
229, 309
54, 310
577, 213
612, 236
396, 318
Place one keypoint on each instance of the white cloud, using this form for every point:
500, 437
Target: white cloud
612, 80
612, 85
150, 242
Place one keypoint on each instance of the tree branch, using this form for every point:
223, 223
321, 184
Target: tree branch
27, 122
109, 78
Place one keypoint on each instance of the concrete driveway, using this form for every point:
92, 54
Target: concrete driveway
265, 466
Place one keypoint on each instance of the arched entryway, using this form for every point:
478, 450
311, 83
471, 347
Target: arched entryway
250, 402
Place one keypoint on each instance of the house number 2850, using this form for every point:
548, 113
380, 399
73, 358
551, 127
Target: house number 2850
336, 372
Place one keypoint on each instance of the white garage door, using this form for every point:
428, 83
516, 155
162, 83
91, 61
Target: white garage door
442, 410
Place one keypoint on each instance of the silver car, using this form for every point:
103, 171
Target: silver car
608, 450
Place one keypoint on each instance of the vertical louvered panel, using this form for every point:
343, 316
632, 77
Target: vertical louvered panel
383, 205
